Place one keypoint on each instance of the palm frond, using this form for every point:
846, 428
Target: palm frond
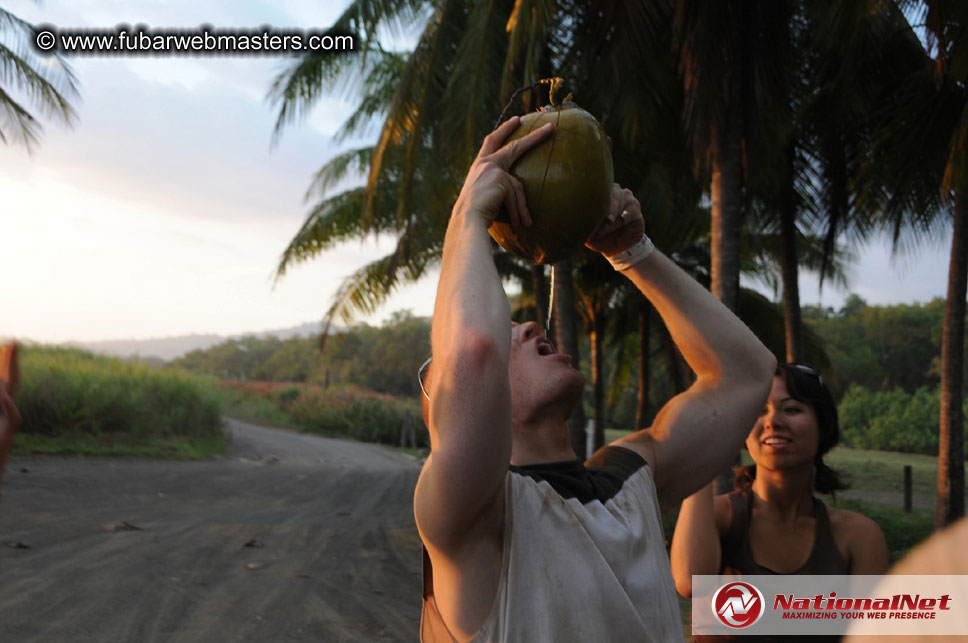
16, 123
331, 222
527, 26
401, 111
297, 88
376, 93
369, 287
415, 112
367, 16
956, 169
850, 186
473, 87
361, 292
762, 252
45, 84
355, 161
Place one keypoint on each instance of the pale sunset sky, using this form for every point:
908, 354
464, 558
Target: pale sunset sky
165, 209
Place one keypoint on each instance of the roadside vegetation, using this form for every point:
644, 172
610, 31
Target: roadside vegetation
74, 402
345, 413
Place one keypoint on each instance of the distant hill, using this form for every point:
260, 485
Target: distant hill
169, 348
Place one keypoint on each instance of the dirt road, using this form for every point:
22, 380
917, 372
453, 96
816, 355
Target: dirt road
288, 537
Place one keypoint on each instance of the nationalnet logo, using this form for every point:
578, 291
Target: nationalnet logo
898, 606
831, 605
738, 604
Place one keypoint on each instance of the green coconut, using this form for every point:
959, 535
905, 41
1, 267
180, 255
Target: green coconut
567, 184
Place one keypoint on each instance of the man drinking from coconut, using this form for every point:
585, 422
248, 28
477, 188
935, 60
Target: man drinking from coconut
550, 548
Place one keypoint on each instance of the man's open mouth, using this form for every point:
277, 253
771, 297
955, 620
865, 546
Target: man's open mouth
545, 347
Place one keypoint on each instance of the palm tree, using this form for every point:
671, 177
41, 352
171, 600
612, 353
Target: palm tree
29, 83
462, 60
948, 27
770, 130
847, 54
404, 167
731, 87
731, 56
922, 136
437, 103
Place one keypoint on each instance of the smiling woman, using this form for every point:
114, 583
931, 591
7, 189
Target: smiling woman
801, 406
772, 523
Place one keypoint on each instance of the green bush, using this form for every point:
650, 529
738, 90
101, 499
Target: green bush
286, 396
72, 392
366, 416
347, 412
891, 420
901, 530
252, 408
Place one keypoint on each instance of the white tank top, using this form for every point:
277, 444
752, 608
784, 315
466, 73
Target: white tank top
584, 557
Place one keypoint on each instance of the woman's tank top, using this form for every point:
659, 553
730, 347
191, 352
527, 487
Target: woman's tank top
737, 555
825, 557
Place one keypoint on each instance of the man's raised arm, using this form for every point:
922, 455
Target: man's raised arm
699, 432
470, 398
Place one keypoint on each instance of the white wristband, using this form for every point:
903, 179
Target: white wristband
632, 255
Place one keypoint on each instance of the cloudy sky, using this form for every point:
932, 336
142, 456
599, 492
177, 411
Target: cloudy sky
165, 209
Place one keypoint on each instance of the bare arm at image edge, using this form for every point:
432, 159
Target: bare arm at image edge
9, 419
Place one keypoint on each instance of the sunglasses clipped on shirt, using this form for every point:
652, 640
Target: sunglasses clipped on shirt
421, 374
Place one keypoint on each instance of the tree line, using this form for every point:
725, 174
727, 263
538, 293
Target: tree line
383, 359
866, 350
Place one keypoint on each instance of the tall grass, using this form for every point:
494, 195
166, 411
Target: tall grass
74, 395
366, 416
360, 415
257, 408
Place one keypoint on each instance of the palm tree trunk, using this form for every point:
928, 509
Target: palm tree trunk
598, 383
642, 407
540, 295
951, 448
566, 336
792, 319
727, 203
727, 198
